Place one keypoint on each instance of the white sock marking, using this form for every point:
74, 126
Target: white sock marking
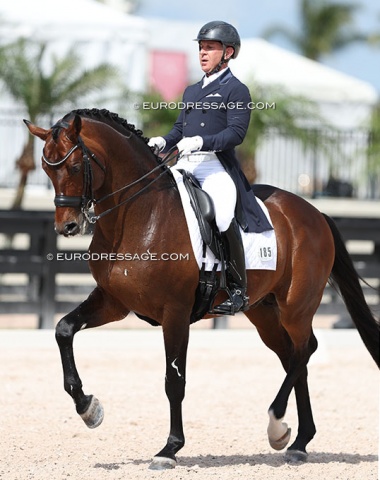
276, 428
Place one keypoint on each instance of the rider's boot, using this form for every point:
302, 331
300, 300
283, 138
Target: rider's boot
236, 272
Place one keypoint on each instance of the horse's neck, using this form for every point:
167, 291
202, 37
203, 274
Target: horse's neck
127, 160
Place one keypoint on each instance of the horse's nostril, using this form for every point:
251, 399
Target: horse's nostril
71, 228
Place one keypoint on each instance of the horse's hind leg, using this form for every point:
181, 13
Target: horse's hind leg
296, 377
306, 427
294, 361
93, 312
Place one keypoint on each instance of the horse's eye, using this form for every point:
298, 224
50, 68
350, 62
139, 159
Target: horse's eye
76, 168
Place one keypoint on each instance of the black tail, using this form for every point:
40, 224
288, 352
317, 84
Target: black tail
346, 277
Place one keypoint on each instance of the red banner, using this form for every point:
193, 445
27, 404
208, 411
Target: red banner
168, 73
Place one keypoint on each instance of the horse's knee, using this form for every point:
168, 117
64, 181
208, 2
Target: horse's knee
65, 330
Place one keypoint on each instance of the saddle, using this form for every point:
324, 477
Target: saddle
204, 209
209, 283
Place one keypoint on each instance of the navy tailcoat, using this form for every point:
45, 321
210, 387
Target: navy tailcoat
220, 114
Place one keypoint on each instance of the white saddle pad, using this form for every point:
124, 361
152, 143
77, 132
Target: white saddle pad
260, 248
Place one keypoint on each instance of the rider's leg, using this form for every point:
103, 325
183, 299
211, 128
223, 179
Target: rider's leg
222, 190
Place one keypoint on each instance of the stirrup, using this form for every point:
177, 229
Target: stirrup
237, 302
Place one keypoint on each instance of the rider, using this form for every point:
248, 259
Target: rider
214, 120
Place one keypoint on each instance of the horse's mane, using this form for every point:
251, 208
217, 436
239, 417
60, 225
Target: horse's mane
109, 118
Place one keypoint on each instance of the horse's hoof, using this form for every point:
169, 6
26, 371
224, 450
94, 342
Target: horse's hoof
295, 456
162, 463
281, 442
94, 415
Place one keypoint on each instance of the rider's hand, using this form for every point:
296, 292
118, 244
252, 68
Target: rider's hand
158, 143
189, 144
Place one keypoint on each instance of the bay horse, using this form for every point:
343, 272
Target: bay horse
94, 157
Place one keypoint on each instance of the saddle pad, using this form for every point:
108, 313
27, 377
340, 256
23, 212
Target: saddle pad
260, 248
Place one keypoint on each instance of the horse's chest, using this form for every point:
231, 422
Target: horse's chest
108, 272
119, 276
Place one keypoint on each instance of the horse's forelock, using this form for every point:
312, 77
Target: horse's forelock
56, 128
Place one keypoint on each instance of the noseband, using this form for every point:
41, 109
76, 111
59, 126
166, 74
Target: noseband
87, 200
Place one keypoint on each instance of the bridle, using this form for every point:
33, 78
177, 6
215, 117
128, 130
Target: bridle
87, 199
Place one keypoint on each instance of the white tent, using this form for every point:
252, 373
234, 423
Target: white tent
99, 32
344, 100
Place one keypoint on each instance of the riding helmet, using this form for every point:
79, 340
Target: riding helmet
222, 32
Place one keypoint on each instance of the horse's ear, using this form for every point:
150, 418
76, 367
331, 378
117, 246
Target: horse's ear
36, 131
74, 128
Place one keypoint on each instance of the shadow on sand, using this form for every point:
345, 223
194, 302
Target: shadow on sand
272, 460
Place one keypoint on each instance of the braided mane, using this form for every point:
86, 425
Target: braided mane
114, 121
111, 119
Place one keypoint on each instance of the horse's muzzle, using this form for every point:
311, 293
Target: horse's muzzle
69, 229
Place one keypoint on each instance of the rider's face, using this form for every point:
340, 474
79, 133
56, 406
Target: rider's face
210, 54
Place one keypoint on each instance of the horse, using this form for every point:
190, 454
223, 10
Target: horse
96, 158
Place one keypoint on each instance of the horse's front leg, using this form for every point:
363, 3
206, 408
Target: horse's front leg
96, 310
176, 337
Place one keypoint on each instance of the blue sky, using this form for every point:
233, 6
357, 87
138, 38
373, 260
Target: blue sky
252, 17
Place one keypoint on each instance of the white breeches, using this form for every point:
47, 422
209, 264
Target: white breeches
214, 180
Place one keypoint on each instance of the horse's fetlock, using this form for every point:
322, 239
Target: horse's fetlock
176, 442
73, 388
277, 412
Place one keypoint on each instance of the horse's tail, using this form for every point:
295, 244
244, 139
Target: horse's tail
346, 277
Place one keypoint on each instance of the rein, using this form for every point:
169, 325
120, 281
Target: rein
167, 158
87, 200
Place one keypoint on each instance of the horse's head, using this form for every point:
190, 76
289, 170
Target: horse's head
67, 162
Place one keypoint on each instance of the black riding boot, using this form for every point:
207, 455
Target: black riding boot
236, 273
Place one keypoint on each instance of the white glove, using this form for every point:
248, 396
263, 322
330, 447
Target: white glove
190, 144
157, 142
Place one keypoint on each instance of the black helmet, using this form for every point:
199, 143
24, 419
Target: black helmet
222, 32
